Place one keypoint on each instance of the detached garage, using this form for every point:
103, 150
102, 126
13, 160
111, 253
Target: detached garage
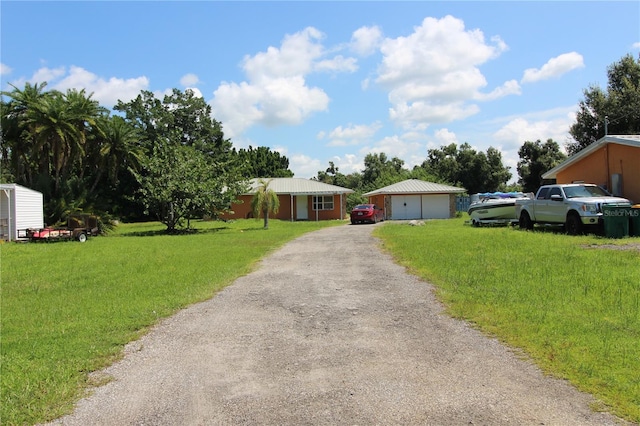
20, 208
416, 199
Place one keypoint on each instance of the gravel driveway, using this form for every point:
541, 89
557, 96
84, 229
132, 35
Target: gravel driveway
327, 331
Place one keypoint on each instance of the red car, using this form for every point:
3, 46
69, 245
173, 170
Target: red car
366, 213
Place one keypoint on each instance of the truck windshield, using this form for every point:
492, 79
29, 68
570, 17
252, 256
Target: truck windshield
584, 191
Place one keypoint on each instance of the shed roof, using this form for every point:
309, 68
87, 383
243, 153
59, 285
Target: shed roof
416, 186
299, 186
14, 186
631, 140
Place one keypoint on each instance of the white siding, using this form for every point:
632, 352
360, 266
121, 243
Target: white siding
20, 208
435, 206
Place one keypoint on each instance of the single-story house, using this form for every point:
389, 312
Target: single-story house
300, 199
20, 208
416, 199
612, 162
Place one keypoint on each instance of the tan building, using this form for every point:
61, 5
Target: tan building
416, 199
612, 162
300, 199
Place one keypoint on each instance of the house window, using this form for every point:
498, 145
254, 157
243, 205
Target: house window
323, 202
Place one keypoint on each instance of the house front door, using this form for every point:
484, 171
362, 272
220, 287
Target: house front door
302, 207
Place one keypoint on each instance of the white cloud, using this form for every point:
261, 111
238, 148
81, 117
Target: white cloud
106, 92
552, 124
276, 91
4, 69
304, 166
554, 68
48, 74
295, 57
510, 87
366, 40
352, 134
518, 130
445, 137
432, 74
189, 80
337, 64
418, 115
636, 45
406, 147
348, 163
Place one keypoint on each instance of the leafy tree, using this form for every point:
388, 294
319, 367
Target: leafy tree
498, 173
380, 171
190, 168
183, 115
536, 158
332, 176
465, 167
261, 162
443, 163
619, 106
177, 184
264, 201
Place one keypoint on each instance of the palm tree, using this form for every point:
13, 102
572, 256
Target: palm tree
265, 201
117, 150
21, 150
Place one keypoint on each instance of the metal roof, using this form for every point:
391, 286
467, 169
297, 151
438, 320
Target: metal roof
298, 186
415, 186
631, 140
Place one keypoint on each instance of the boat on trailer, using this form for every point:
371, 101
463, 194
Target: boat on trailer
495, 207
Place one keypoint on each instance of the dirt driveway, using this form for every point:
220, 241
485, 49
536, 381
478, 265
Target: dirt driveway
328, 331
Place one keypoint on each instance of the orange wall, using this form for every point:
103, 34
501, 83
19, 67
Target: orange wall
600, 165
378, 200
243, 210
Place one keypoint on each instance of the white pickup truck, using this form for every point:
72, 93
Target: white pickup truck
572, 205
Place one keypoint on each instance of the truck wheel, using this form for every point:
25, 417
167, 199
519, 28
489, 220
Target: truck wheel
573, 226
82, 237
525, 221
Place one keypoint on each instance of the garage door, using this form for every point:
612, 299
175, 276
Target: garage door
404, 207
435, 206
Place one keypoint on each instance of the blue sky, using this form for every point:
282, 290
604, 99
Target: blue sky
333, 81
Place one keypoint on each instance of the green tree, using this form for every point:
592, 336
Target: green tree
45, 141
498, 173
19, 146
536, 158
443, 163
617, 109
463, 166
261, 162
265, 201
177, 183
380, 171
178, 133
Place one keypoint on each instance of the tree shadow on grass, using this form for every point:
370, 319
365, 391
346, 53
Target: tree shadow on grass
593, 230
176, 233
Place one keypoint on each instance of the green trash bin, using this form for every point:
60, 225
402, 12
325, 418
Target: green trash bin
615, 220
634, 221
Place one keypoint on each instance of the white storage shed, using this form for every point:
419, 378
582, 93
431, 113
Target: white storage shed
20, 208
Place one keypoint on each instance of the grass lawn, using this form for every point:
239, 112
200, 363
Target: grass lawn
68, 308
572, 304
